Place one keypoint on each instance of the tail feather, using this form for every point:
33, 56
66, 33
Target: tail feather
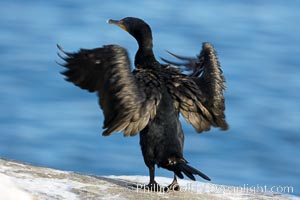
189, 171
178, 172
179, 166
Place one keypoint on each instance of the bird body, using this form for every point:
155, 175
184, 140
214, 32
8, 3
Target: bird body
149, 99
155, 139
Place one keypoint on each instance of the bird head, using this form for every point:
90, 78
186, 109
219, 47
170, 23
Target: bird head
136, 27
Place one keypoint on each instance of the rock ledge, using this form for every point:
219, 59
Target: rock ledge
34, 183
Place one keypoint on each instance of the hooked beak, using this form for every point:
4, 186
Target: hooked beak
118, 23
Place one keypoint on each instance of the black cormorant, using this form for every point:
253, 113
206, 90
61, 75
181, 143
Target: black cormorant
148, 99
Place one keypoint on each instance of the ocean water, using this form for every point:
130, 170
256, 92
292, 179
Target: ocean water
46, 121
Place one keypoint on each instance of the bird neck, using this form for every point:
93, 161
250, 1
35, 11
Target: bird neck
144, 57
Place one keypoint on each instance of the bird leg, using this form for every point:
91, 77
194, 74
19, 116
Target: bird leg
174, 185
153, 186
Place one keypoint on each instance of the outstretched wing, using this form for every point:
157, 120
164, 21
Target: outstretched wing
199, 96
127, 105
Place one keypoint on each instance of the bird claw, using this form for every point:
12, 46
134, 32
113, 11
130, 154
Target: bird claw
154, 187
174, 187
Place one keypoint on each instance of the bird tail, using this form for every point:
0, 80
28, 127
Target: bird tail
179, 166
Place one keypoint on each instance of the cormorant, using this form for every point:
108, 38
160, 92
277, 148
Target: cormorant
148, 100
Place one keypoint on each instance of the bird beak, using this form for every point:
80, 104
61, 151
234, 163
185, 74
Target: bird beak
118, 23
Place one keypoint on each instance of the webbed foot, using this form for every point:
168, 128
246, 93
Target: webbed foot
154, 187
174, 186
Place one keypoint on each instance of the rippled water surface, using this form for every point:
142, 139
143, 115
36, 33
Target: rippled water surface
47, 121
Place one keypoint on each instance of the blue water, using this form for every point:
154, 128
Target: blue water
47, 121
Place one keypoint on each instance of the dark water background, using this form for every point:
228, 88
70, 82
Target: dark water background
47, 121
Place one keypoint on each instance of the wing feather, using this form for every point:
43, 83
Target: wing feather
199, 96
128, 103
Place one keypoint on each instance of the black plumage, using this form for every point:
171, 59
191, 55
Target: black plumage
148, 100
